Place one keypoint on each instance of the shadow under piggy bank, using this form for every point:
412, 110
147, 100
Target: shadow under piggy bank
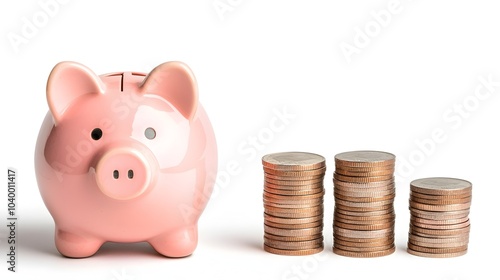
38, 239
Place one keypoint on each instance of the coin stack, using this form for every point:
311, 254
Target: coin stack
364, 212
293, 203
439, 223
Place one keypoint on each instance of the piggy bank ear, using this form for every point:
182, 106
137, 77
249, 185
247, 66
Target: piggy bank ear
67, 82
175, 82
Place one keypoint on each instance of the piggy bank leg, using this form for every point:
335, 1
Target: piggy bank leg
176, 244
76, 246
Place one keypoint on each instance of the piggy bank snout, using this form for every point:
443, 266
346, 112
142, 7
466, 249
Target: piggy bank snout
123, 173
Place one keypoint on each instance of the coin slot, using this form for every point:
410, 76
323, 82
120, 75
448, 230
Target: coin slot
121, 84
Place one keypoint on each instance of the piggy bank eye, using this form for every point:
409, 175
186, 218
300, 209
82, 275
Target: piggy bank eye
150, 133
96, 134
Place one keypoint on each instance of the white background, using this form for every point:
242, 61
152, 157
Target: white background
254, 59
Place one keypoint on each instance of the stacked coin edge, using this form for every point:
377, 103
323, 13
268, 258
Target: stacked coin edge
364, 214
439, 217
293, 203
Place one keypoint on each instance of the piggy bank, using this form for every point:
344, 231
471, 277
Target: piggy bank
125, 157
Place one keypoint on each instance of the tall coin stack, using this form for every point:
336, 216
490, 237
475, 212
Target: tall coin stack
439, 223
293, 203
364, 215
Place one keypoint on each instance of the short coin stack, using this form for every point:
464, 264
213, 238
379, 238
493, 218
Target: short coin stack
293, 203
439, 225
364, 210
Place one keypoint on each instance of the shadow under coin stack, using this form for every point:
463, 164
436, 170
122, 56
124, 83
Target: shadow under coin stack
439, 223
293, 203
364, 210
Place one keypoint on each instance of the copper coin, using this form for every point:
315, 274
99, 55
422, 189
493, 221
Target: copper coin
293, 226
292, 238
340, 202
363, 240
431, 255
361, 186
294, 182
363, 222
315, 241
368, 193
282, 185
363, 249
292, 252
293, 203
293, 232
293, 161
439, 215
433, 232
364, 211
365, 194
439, 222
364, 199
440, 197
436, 250
305, 220
463, 235
384, 242
297, 245
363, 254
440, 202
439, 239
439, 245
293, 246
302, 173
350, 189
268, 195
305, 209
292, 206
363, 233
293, 212
366, 169
364, 159
290, 215
442, 227
439, 242
389, 216
438, 208
368, 227
359, 172
361, 179
293, 178
382, 172
293, 192
441, 186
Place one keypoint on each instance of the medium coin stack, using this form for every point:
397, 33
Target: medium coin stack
364, 211
439, 223
293, 203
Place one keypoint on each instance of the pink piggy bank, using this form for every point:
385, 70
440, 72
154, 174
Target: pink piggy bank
125, 157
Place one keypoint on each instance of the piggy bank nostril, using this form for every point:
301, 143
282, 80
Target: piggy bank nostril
130, 174
116, 174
